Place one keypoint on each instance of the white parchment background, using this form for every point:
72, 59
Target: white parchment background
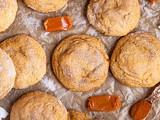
31, 22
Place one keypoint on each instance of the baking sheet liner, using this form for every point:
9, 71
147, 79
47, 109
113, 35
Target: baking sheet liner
31, 22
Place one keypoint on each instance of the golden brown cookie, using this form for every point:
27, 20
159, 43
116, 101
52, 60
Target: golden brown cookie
7, 74
136, 60
38, 106
29, 59
80, 62
114, 17
8, 10
45, 5
77, 115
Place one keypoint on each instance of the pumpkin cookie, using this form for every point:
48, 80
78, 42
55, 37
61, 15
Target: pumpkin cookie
29, 59
77, 115
136, 60
8, 10
38, 106
7, 74
114, 17
45, 5
80, 62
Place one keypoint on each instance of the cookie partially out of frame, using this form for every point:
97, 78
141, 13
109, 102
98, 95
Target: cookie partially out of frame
114, 17
8, 10
80, 62
45, 5
38, 106
29, 59
136, 60
7, 74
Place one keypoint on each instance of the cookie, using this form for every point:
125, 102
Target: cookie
80, 62
136, 60
38, 106
114, 17
45, 5
29, 59
7, 74
8, 10
77, 115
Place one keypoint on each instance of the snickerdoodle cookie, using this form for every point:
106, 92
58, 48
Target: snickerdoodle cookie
38, 106
29, 59
136, 60
45, 5
77, 115
8, 10
80, 62
7, 74
114, 17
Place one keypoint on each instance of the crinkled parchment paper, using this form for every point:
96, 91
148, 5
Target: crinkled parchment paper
31, 22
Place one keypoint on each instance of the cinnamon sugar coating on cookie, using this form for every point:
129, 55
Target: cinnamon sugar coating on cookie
45, 5
136, 60
7, 74
8, 10
80, 63
38, 106
29, 59
114, 17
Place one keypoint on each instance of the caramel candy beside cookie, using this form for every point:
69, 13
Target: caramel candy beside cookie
104, 103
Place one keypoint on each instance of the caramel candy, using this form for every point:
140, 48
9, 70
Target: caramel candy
58, 24
153, 1
104, 103
141, 109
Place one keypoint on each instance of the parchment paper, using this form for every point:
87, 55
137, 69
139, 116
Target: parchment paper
31, 22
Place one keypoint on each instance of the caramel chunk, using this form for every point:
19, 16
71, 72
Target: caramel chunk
58, 24
140, 110
104, 103
153, 1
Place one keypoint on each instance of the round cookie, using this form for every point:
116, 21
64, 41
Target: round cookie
114, 17
136, 60
38, 106
45, 5
7, 74
77, 115
29, 59
80, 62
8, 10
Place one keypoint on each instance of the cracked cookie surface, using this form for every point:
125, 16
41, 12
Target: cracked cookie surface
8, 10
136, 60
29, 59
45, 5
80, 62
38, 106
77, 115
7, 74
114, 17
